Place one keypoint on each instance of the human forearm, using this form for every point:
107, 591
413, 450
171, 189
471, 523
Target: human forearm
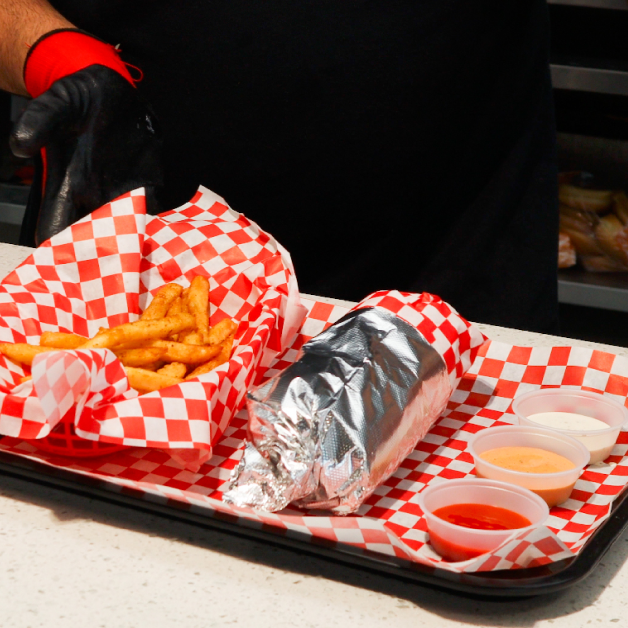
22, 23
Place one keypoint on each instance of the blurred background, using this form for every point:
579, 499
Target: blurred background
590, 77
16, 174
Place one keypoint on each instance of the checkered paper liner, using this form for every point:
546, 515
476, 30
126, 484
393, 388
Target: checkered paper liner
102, 271
390, 523
454, 338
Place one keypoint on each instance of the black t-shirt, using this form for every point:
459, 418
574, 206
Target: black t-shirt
387, 144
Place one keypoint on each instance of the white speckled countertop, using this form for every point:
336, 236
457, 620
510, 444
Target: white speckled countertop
71, 561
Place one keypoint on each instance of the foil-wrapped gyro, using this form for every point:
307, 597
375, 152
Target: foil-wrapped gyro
333, 426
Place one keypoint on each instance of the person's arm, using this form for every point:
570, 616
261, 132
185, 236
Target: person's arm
22, 23
90, 132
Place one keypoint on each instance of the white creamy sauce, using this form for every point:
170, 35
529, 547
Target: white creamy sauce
600, 445
568, 421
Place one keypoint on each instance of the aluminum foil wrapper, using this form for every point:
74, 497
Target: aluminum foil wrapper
330, 428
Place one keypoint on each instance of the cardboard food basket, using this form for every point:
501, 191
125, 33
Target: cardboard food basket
388, 533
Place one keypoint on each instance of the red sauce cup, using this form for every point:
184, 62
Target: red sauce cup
457, 542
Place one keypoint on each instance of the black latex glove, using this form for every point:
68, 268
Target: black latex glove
101, 140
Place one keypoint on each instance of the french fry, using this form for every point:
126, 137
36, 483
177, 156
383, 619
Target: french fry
221, 358
179, 306
220, 332
198, 304
151, 349
26, 378
227, 347
139, 331
161, 302
176, 307
154, 366
184, 300
143, 356
188, 354
205, 368
21, 352
60, 340
145, 381
193, 338
174, 369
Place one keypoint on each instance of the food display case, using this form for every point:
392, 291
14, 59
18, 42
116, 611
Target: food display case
589, 68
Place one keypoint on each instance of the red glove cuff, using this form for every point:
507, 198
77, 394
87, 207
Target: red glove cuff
63, 52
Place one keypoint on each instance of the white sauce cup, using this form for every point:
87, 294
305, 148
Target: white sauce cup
600, 442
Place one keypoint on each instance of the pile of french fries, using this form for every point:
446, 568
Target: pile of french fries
171, 342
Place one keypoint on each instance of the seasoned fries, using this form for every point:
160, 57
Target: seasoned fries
21, 352
225, 354
141, 357
198, 304
161, 302
174, 369
220, 332
129, 334
145, 381
188, 354
172, 342
59, 340
176, 308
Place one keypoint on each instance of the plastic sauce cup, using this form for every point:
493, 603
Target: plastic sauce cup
554, 488
454, 542
600, 442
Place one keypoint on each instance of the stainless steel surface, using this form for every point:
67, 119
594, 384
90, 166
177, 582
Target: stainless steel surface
588, 79
617, 5
11, 214
332, 427
600, 290
606, 159
13, 199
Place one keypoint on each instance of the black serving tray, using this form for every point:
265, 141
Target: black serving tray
516, 583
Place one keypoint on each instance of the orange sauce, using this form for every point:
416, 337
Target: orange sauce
533, 460
527, 460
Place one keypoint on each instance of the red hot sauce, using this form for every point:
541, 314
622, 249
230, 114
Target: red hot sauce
477, 517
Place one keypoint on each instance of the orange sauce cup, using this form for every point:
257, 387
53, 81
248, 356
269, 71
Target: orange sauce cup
554, 487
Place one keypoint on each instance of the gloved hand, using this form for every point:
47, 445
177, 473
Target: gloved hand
98, 139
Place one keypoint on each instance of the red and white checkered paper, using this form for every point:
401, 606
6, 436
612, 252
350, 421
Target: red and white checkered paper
390, 523
454, 338
102, 271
